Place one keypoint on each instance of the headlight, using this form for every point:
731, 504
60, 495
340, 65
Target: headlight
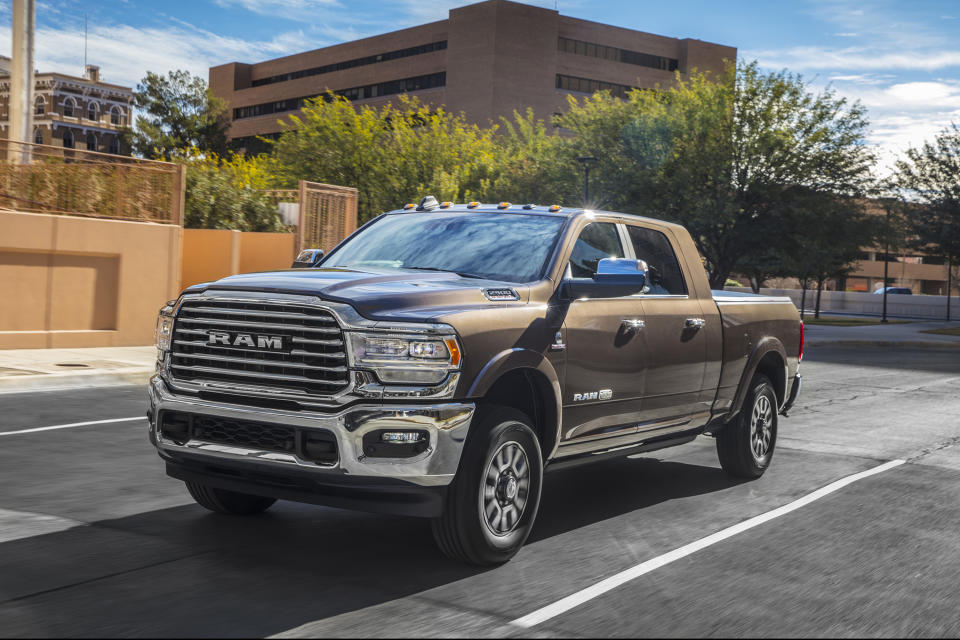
164, 330
400, 359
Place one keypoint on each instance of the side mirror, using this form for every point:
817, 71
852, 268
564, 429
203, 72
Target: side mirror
307, 259
615, 277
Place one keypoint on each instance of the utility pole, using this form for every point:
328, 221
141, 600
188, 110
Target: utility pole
21, 80
587, 162
886, 265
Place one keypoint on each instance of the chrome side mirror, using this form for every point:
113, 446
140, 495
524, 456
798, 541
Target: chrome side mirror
308, 259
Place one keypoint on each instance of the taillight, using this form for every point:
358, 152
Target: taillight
800, 357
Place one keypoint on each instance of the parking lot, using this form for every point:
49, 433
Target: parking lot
95, 540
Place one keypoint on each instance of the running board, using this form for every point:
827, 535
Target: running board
624, 450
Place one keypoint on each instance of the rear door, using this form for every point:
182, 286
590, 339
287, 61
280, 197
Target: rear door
675, 332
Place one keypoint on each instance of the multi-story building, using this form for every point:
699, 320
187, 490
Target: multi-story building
486, 60
73, 112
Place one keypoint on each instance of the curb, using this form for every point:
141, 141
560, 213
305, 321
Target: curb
911, 344
75, 380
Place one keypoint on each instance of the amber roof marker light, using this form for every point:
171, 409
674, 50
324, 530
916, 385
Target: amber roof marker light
503, 205
554, 208
473, 205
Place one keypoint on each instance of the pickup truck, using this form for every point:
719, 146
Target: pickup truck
443, 357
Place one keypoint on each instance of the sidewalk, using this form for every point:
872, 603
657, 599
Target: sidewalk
884, 335
39, 369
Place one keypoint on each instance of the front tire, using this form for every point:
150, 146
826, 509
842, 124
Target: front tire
228, 502
745, 446
492, 503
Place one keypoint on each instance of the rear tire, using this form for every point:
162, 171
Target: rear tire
745, 446
228, 502
491, 505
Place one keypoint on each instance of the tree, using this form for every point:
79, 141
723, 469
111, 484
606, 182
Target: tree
392, 155
929, 179
226, 194
721, 155
177, 112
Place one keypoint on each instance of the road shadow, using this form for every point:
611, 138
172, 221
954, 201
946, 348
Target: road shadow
186, 572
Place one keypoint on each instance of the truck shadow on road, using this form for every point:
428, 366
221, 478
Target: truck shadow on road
182, 571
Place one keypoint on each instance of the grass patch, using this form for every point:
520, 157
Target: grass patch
952, 331
847, 321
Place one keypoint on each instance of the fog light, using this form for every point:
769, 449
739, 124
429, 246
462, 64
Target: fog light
401, 437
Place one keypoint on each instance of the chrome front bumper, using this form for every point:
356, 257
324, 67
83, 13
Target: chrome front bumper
446, 423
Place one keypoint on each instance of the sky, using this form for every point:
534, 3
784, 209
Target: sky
900, 59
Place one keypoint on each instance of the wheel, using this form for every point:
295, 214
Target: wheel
491, 505
745, 446
229, 502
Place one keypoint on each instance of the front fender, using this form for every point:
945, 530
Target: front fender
518, 358
761, 349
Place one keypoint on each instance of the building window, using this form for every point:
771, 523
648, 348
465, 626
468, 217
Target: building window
585, 85
115, 146
91, 142
116, 116
92, 111
38, 136
578, 47
392, 87
40, 107
349, 64
68, 139
69, 106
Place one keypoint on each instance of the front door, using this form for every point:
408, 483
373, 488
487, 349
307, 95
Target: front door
605, 355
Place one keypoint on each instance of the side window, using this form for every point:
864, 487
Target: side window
663, 275
598, 240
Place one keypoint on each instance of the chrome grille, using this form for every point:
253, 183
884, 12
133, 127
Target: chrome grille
311, 359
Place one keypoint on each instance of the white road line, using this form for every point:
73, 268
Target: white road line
614, 581
70, 426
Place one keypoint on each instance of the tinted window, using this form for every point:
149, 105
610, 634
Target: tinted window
499, 246
598, 240
663, 275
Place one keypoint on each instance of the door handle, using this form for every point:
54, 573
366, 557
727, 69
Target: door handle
696, 323
632, 324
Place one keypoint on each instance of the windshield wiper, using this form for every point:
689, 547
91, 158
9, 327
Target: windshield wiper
459, 273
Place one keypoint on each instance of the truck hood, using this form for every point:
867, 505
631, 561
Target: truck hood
376, 294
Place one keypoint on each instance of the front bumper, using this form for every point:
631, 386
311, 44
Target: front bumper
446, 424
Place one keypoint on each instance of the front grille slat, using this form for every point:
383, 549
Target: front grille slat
226, 325
311, 361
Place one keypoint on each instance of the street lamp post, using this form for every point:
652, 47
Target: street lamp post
587, 162
886, 265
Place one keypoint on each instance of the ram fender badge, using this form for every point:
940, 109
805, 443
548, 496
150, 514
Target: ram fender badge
603, 394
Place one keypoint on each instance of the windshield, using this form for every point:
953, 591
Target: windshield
498, 246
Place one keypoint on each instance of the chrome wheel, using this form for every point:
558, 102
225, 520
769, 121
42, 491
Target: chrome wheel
505, 489
761, 426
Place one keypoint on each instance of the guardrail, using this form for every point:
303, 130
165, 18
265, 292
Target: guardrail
47, 179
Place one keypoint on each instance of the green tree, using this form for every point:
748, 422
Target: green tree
929, 180
392, 155
720, 155
177, 112
226, 194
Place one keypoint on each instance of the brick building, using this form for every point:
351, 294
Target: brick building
82, 113
486, 60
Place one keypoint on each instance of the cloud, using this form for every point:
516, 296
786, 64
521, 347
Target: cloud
125, 53
856, 58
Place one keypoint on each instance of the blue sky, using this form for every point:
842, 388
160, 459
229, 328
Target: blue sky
901, 59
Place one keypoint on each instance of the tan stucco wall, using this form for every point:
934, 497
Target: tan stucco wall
79, 282
210, 254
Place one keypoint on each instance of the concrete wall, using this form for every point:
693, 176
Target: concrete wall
906, 306
80, 282
210, 254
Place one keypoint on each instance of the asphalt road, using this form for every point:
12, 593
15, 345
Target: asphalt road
96, 541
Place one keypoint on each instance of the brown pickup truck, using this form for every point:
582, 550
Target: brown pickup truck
440, 359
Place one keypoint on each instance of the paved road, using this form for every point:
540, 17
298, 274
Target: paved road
96, 541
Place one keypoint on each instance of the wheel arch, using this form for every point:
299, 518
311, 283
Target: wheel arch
769, 358
525, 380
